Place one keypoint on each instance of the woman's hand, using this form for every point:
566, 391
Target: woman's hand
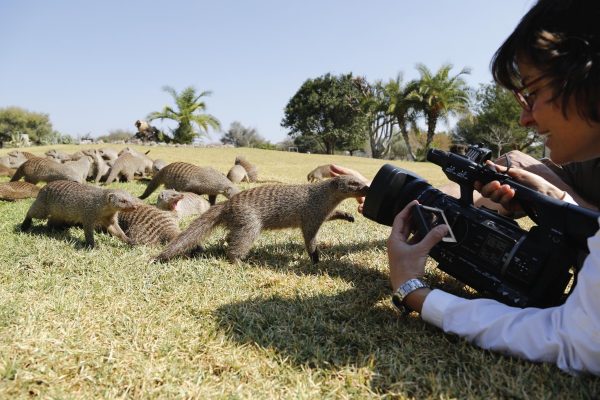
504, 194
406, 256
337, 170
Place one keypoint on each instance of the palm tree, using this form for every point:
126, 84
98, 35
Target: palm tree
188, 113
403, 103
440, 96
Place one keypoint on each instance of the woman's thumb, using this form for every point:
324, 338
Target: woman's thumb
434, 236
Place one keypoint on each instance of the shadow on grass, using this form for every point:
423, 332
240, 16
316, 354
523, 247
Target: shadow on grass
281, 255
61, 233
359, 329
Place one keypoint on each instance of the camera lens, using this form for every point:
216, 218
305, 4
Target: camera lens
391, 190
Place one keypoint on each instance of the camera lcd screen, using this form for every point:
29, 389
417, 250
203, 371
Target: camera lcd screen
430, 217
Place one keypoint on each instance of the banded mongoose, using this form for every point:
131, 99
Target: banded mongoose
22, 154
17, 158
101, 169
108, 154
69, 203
185, 177
157, 165
183, 203
5, 162
6, 171
250, 168
127, 166
12, 191
237, 174
270, 207
58, 155
319, 173
149, 225
81, 164
45, 170
134, 152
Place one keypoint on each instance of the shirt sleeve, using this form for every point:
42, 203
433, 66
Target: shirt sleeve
568, 335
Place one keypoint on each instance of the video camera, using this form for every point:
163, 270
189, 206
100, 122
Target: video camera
487, 251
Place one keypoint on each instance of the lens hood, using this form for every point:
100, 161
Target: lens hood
389, 193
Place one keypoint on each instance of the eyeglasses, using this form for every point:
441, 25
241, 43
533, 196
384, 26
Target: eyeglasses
524, 97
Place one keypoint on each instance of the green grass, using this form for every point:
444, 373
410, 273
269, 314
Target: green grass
104, 323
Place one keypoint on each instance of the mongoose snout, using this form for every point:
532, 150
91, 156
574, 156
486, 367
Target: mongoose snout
123, 201
347, 184
183, 203
168, 199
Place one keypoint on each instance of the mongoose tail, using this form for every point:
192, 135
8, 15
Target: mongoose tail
199, 229
337, 214
18, 174
154, 183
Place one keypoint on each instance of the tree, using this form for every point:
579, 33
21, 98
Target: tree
117, 135
403, 105
240, 136
189, 114
440, 95
495, 122
499, 137
325, 109
15, 121
379, 125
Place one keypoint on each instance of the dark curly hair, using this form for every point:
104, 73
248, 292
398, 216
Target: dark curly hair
561, 38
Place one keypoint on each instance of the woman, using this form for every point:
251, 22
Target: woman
552, 63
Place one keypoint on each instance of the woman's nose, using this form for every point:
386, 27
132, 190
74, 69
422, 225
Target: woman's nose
526, 119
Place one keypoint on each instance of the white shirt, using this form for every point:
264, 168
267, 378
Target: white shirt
568, 335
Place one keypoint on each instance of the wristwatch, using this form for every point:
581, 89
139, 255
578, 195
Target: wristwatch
404, 290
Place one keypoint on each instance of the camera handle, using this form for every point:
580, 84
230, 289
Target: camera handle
577, 223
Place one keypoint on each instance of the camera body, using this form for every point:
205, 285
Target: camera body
491, 253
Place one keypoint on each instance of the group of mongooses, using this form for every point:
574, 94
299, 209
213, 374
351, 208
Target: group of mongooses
69, 201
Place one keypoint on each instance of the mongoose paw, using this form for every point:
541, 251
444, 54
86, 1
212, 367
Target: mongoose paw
314, 256
196, 251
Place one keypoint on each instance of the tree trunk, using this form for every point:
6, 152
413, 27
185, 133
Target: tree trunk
404, 131
409, 150
329, 146
431, 123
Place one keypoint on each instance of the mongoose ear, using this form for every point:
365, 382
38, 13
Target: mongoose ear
111, 197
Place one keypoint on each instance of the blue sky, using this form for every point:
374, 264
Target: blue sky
99, 66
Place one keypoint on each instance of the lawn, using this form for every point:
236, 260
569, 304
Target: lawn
105, 323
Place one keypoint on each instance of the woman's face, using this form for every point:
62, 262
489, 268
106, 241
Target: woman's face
569, 139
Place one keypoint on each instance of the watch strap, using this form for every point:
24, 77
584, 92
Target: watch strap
404, 290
